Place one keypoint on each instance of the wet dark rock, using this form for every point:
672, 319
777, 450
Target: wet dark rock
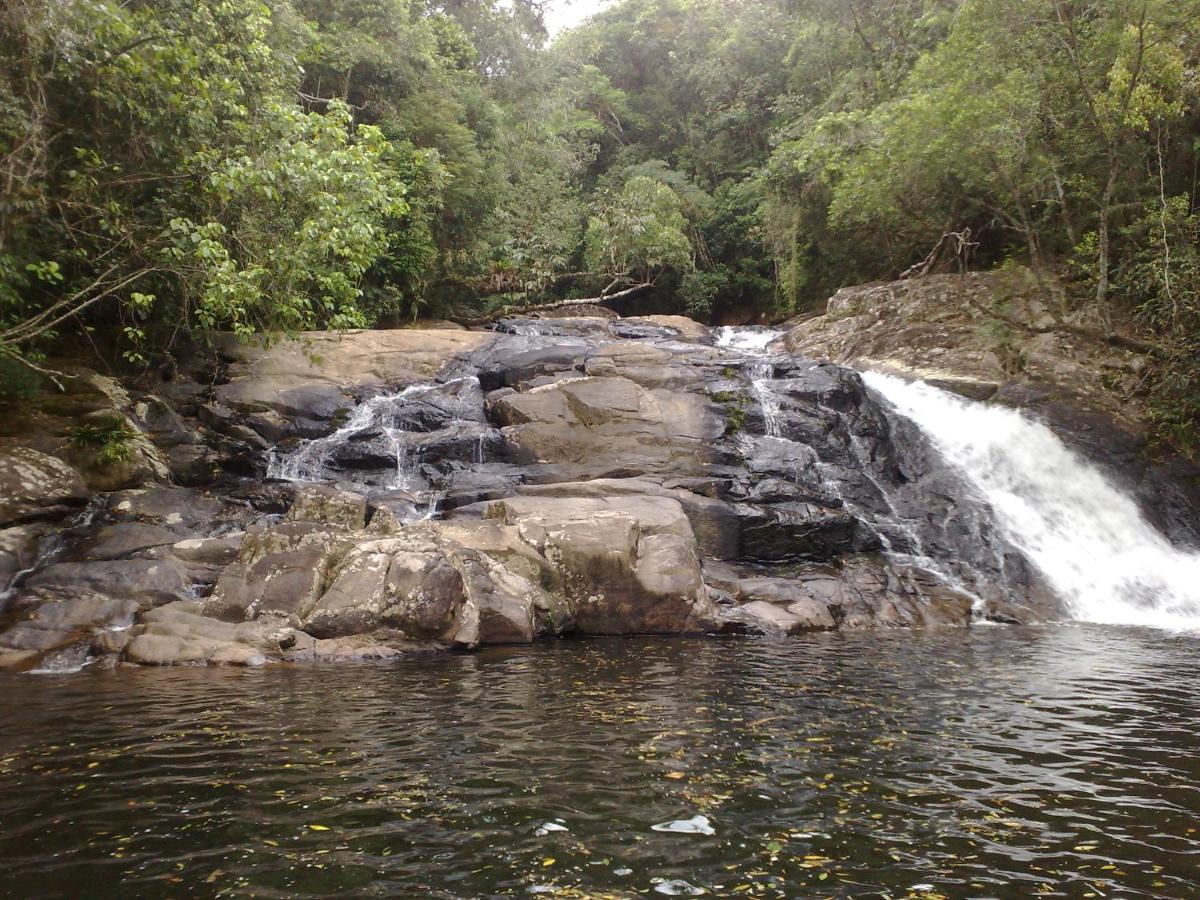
511, 361
145, 582
19, 547
166, 505
127, 538
793, 532
63, 621
165, 427
193, 465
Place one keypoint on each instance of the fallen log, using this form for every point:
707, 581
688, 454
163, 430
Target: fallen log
475, 321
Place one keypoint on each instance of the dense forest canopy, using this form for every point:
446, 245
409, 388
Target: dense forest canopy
171, 167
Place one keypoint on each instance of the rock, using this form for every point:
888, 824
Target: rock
760, 617
513, 361
379, 645
44, 626
356, 595
424, 592
872, 592
215, 551
611, 426
144, 582
306, 376
160, 422
791, 532
175, 635
499, 607
281, 570
18, 660
142, 462
193, 465
681, 327
18, 551
578, 475
110, 641
34, 485
171, 506
329, 506
716, 524
127, 538
627, 565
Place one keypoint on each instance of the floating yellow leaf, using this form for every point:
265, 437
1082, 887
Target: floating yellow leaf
318, 827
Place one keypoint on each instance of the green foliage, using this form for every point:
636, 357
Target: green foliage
173, 165
107, 442
639, 234
17, 382
735, 418
293, 225
235, 165
1162, 279
698, 289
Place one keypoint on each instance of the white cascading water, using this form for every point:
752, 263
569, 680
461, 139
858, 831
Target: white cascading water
311, 461
1106, 562
754, 342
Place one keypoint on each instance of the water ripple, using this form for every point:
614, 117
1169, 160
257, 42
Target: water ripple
996, 762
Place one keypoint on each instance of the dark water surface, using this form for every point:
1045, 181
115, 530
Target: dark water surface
993, 762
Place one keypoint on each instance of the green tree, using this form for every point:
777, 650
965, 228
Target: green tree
176, 178
639, 235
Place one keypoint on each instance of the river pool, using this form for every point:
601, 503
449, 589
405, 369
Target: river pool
995, 761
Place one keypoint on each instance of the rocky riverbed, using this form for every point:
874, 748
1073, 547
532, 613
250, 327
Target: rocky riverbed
372, 494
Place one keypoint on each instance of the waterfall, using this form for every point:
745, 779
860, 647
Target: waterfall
754, 342
311, 461
1090, 540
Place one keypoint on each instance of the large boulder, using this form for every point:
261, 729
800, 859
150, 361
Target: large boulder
65, 620
502, 573
875, 591
308, 377
178, 635
280, 570
34, 485
18, 552
173, 507
326, 505
144, 582
604, 426
628, 565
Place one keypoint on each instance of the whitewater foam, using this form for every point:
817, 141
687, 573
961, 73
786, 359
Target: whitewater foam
1090, 540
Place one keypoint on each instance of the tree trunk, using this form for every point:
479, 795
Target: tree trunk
1103, 249
546, 307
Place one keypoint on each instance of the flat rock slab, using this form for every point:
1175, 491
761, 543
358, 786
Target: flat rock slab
306, 375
